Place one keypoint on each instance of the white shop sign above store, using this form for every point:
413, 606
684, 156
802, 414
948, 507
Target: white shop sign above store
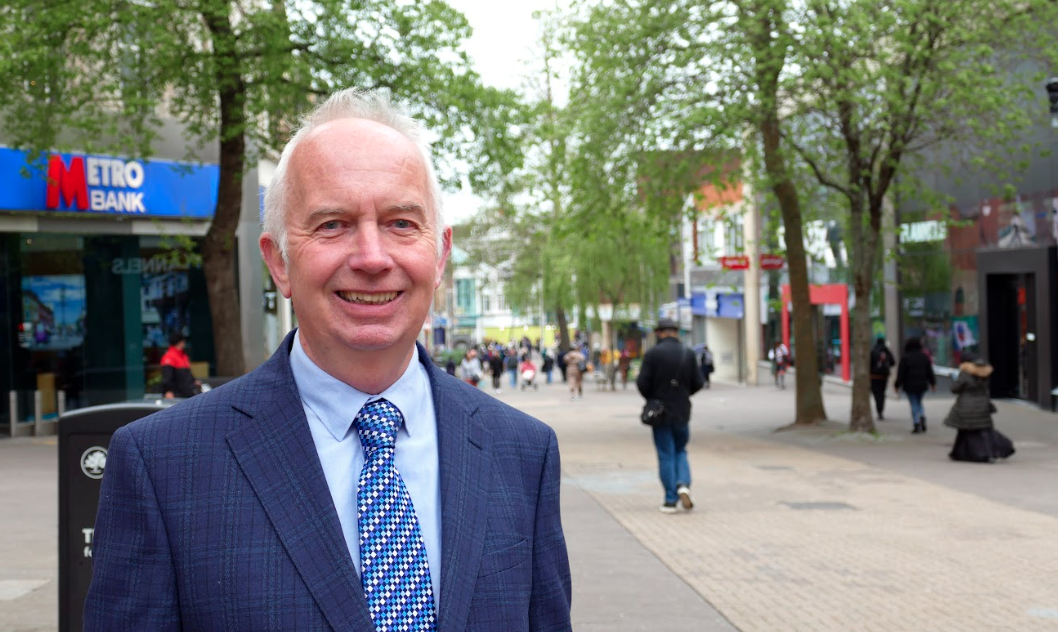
921, 232
106, 185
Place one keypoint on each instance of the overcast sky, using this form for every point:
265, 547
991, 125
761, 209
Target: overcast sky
504, 39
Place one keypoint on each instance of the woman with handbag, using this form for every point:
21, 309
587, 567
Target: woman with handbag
977, 439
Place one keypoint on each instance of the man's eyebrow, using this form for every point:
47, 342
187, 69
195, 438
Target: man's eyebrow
411, 206
324, 211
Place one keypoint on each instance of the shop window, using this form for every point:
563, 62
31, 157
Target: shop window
51, 324
927, 302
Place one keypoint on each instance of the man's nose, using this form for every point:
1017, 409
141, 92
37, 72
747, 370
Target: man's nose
369, 253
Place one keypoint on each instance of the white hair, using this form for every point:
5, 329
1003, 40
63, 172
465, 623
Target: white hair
351, 103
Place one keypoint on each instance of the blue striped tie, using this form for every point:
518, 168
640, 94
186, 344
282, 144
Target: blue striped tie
395, 571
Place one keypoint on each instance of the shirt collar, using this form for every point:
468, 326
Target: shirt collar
336, 403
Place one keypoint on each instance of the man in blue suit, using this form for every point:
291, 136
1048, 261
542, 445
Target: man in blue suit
272, 503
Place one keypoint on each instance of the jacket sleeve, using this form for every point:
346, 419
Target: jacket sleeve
549, 605
133, 582
932, 376
168, 379
960, 383
900, 373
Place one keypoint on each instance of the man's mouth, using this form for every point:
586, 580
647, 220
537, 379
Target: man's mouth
367, 299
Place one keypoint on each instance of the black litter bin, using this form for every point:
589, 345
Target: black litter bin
84, 437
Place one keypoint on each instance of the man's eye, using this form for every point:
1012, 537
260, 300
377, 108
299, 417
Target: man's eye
402, 223
331, 225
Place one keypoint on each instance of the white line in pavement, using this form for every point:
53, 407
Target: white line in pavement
11, 589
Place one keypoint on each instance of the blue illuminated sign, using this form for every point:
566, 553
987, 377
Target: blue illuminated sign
92, 184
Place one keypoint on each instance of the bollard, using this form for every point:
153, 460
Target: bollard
13, 412
38, 416
60, 402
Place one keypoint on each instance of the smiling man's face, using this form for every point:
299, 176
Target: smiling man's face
362, 260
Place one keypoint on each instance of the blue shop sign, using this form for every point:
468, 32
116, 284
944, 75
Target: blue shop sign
730, 306
698, 303
106, 185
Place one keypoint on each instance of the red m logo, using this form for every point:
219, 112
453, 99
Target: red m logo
69, 183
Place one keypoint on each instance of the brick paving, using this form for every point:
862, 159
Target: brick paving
789, 537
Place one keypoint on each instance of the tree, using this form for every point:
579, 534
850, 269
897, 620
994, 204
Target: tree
562, 237
885, 82
99, 74
695, 79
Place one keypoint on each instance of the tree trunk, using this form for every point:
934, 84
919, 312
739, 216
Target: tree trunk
763, 21
865, 245
218, 247
810, 408
860, 417
563, 328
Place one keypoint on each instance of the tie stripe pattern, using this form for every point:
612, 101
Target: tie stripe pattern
395, 571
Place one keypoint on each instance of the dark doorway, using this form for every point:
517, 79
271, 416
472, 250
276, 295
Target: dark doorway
1012, 335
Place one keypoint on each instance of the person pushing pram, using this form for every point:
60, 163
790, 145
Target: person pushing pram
527, 370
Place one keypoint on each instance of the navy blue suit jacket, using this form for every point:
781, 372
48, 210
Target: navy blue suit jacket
215, 516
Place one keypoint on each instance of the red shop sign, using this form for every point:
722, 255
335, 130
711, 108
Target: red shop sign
740, 262
772, 262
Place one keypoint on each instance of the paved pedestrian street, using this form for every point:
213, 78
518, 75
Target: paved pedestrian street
815, 530
789, 537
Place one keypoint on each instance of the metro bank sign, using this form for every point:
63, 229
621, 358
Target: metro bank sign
106, 185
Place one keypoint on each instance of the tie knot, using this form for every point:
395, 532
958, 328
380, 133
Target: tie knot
377, 424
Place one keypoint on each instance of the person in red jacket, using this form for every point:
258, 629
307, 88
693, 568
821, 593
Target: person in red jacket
177, 380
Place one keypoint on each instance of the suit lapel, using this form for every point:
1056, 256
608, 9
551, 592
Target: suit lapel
277, 454
464, 455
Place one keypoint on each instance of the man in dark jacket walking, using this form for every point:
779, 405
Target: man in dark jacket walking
670, 374
914, 376
881, 365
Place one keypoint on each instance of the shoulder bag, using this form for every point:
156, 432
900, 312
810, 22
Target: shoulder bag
653, 414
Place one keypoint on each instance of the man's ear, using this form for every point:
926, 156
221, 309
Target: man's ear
277, 266
446, 249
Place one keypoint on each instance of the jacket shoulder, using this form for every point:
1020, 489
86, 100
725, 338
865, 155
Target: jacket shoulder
502, 418
213, 411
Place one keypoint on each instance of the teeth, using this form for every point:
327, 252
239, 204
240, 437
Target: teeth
371, 299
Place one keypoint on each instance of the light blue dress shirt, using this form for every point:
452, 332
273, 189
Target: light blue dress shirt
330, 407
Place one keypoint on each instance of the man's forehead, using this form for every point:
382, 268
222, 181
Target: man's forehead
354, 145
353, 131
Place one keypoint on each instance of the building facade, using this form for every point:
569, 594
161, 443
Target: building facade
92, 276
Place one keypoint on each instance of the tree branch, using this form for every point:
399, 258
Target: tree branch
820, 175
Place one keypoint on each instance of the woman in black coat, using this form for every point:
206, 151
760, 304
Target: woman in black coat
914, 376
971, 414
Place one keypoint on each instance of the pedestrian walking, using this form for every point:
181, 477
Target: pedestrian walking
548, 364
977, 440
340, 484
510, 362
496, 370
177, 380
779, 355
576, 365
882, 363
669, 374
625, 366
470, 368
707, 364
915, 375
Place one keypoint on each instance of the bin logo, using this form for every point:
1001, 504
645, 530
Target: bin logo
93, 461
